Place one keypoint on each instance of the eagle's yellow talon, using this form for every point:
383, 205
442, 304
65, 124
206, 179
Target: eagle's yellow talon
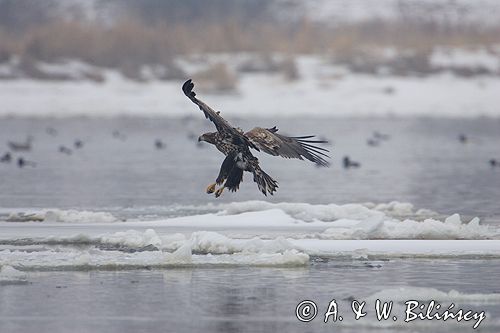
211, 188
219, 192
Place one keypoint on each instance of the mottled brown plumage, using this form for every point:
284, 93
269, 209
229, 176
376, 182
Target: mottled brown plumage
236, 144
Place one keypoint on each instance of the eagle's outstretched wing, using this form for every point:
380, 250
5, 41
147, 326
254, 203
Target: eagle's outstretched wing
267, 140
221, 124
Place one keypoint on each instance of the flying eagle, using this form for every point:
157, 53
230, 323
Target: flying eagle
236, 144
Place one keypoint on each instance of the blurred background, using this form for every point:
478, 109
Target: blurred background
407, 89
397, 57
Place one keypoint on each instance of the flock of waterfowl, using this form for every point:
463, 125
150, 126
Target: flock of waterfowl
20, 147
377, 138
374, 141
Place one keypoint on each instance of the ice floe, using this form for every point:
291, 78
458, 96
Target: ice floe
59, 215
10, 275
71, 259
381, 228
330, 212
243, 233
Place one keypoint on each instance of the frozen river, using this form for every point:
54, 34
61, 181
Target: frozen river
124, 239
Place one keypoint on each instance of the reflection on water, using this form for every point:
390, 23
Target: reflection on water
423, 162
236, 299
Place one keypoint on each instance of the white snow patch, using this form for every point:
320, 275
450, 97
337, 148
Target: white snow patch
133, 238
309, 213
348, 94
383, 228
463, 58
212, 242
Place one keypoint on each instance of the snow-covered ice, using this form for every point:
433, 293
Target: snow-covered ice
59, 215
104, 259
10, 275
248, 233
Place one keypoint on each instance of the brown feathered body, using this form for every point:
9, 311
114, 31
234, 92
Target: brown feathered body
236, 145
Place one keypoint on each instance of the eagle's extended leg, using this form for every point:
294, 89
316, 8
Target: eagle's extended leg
219, 191
233, 180
211, 188
225, 168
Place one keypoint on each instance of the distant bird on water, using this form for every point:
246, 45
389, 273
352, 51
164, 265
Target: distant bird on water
462, 138
51, 131
78, 144
159, 144
381, 136
65, 150
21, 162
21, 146
347, 163
372, 142
494, 163
6, 158
376, 139
119, 135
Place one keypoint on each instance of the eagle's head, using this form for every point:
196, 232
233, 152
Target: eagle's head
209, 137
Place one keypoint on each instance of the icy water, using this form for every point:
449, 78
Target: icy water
246, 299
423, 163
160, 255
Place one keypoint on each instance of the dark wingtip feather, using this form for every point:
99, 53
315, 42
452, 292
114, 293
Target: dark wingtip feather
187, 88
315, 153
313, 147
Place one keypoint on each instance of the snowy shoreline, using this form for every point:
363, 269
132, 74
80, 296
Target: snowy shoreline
322, 90
355, 96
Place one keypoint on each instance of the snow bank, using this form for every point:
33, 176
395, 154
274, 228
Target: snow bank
479, 59
58, 215
315, 94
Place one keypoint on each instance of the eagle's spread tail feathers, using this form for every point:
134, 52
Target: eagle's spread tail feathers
265, 183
